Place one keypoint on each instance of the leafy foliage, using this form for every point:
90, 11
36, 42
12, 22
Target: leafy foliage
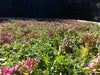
61, 47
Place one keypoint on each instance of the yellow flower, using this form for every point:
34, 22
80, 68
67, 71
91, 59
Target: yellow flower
25, 73
64, 52
84, 51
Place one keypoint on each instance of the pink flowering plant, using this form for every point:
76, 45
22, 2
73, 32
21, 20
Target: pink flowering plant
7, 70
64, 48
27, 66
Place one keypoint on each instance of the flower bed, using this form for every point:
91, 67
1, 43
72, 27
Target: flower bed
31, 47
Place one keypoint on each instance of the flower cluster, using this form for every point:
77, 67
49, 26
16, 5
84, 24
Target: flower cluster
25, 31
65, 46
23, 23
7, 70
24, 67
29, 63
94, 65
27, 66
51, 32
84, 51
88, 37
35, 34
6, 37
90, 41
66, 41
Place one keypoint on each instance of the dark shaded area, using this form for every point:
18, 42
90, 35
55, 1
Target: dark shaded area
67, 9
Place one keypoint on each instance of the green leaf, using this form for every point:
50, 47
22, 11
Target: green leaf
59, 59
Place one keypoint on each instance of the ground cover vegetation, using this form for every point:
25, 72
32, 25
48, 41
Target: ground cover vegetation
60, 47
